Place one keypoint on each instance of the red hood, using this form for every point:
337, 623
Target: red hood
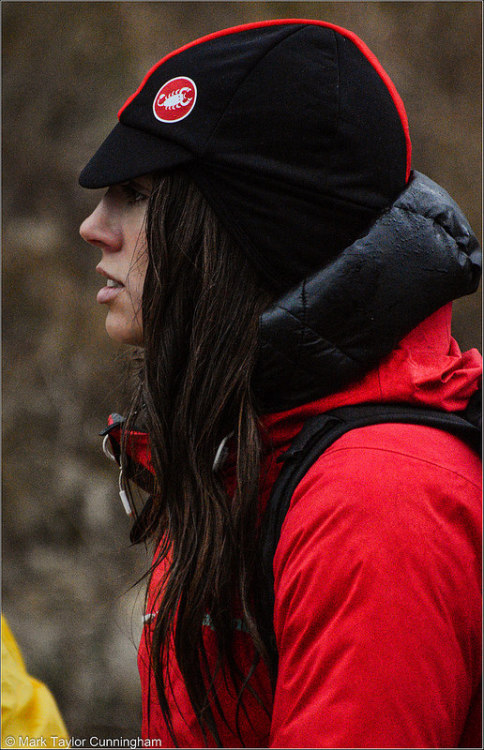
426, 368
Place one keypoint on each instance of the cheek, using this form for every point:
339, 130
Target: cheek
139, 277
124, 321
137, 280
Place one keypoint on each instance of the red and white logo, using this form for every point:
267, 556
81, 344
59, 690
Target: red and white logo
175, 100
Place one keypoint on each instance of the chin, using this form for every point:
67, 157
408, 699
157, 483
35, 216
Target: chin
124, 333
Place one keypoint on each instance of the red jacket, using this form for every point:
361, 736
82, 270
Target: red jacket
377, 576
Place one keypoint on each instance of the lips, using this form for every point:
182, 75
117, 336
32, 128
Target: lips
113, 283
111, 290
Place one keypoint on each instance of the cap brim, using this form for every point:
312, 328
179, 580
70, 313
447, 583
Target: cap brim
127, 153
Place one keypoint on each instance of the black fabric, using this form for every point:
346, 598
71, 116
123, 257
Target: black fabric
337, 324
361, 101
128, 152
316, 436
294, 140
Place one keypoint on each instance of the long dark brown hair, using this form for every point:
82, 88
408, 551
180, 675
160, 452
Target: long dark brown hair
201, 304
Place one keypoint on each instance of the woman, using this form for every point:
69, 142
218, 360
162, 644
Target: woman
266, 243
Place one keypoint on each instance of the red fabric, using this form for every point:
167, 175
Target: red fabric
278, 22
377, 576
137, 445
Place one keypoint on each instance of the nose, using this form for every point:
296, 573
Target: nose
101, 229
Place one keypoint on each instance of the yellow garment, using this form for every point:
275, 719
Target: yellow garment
28, 708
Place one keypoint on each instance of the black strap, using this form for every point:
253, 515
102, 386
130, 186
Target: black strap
317, 434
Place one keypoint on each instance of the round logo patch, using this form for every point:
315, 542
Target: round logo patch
175, 100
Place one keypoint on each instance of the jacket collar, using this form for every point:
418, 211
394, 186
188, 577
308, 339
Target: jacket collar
337, 324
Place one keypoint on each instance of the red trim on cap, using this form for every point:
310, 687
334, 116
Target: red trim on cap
372, 59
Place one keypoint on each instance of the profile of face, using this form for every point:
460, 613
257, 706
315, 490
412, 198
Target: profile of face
118, 227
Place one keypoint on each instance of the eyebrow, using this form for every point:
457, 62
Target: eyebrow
136, 184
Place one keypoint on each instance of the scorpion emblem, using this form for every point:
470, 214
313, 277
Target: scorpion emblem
175, 99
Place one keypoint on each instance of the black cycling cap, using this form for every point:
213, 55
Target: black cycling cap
291, 128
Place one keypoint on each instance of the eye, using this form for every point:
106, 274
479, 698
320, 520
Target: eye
132, 194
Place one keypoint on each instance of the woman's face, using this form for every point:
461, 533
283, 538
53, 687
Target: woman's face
117, 226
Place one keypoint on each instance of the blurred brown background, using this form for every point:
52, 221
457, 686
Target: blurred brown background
67, 68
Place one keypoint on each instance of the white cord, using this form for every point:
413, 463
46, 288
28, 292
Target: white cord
106, 450
123, 495
221, 453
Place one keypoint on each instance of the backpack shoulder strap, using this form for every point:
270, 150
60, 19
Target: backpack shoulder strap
316, 436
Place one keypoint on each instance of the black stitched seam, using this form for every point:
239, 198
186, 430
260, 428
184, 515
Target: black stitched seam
303, 321
319, 336
299, 365
272, 346
338, 115
241, 82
